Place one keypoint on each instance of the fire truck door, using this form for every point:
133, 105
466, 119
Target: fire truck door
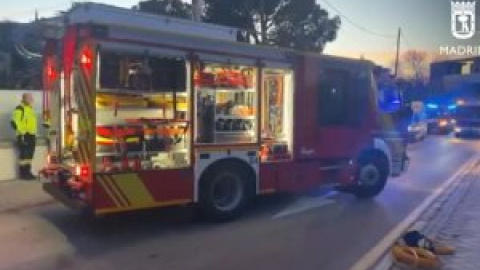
333, 113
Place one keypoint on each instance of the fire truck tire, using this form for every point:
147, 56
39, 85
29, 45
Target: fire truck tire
372, 175
225, 191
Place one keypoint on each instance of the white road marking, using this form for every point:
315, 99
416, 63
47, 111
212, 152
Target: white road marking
304, 204
371, 257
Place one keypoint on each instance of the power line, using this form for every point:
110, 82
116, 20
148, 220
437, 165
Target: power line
358, 26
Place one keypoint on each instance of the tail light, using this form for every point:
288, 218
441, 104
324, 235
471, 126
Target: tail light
86, 59
82, 171
443, 122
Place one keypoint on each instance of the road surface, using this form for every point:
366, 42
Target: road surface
322, 230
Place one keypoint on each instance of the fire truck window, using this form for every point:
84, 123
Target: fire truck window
332, 97
359, 98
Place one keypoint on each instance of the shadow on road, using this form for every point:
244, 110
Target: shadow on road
96, 236
166, 234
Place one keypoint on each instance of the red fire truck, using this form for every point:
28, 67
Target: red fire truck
148, 111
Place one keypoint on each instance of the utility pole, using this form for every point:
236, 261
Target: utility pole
197, 7
398, 51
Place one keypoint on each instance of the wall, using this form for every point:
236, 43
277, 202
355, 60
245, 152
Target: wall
8, 156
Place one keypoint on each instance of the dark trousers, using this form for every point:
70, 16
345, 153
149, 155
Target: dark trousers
26, 149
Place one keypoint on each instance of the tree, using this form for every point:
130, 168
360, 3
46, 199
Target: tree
300, 24
174, 8
415, 65
413, 75
304, 26
22, 44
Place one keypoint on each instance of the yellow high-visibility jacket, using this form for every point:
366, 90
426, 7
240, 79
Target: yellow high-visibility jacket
24, 120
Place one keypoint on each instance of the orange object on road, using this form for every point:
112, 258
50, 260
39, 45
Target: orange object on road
416, 257
442, 249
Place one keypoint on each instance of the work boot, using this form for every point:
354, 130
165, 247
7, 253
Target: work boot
28, 173
22, 172
29, 176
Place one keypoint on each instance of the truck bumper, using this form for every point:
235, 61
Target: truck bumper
58, 194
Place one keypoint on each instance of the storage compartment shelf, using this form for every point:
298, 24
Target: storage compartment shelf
225, 89
242, 132
136, 153
158, 121
140, 93
233, 117
128, 154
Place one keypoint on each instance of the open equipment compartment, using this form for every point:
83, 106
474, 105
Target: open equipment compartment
141, 112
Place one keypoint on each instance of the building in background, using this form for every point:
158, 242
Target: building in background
20, 60
5, 65
456, 80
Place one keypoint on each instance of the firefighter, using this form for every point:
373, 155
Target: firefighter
24, 121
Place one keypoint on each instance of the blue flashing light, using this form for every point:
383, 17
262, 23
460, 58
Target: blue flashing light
432, 106
396, 101
452, 107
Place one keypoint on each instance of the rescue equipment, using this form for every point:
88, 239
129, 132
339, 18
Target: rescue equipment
417, 257
109, 100
417, 239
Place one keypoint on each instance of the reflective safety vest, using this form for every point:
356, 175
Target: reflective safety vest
24, 120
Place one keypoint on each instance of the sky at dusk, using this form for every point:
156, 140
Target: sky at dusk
369, 28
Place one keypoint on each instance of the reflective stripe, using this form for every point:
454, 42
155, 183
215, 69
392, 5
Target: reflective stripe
25, 119
132, 186
25, 162
156, 204
116, 191
103, 182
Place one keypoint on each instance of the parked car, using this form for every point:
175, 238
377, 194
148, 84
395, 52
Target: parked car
440, 125
467, 120
439, 119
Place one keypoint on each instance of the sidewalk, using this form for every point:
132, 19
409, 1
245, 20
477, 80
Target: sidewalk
17, 194
455, 221
462, 229
8, 157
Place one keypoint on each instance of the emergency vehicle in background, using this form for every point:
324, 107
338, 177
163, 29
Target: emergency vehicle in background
149, 111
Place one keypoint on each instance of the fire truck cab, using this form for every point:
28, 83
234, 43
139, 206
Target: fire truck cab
149, 111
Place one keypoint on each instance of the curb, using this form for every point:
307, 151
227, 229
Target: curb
378, 257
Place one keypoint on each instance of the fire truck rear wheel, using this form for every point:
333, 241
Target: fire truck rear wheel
372, 175
225, 191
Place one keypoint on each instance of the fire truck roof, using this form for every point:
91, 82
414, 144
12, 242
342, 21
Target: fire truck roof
181, 34
115, 16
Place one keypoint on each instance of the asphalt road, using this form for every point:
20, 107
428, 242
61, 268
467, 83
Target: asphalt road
321, 230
